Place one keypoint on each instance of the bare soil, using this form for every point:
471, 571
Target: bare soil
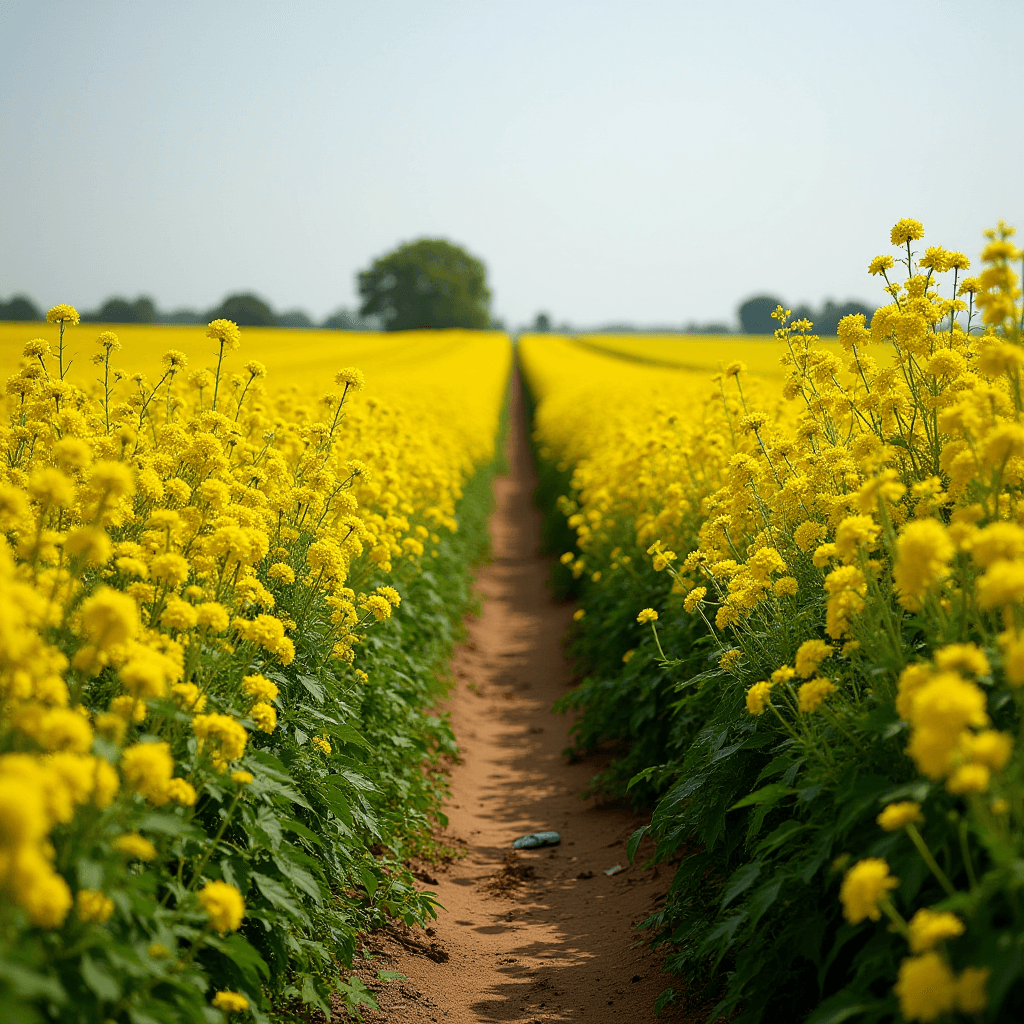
539, 935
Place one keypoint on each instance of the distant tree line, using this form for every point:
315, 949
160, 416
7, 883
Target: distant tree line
245, 308
427, 283
755, 314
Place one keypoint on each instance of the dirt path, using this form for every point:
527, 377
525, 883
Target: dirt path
547, 936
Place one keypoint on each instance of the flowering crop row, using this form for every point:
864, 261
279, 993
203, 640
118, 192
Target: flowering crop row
214, 702
802, 605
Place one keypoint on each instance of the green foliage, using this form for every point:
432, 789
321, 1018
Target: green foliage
120, 311
756, 314
316, 844
246, 310
429, 283
20, 307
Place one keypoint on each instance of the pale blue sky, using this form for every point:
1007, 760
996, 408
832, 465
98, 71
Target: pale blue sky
626, 160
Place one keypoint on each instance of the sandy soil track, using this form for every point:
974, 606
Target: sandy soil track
546, 936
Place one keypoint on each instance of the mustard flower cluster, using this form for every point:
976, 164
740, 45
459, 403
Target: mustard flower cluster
166, 545
880, 480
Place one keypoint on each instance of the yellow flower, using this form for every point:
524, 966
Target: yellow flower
906, 230
226, 332
231, 1002
93, 906
222, 736
44, 895
972, 990
759, 697
259, 688
134, 847
879, 265
1002, 584
147, 769
62, 314
990, 748
925, 987
181, 792
730, 660
212, 615
578, 614
786, 586
854, 533
379, 606
647, 615
898, 815
321, 743
224, 906
242, 778
351, 378
807, 534
174, 360
997, 541
967, 659
924, 551
930, 927
281, 572
969, 778
109, 618
810, 655
864, 885
811, 694
264, 716
51, 487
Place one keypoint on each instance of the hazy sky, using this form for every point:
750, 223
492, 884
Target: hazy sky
629, 160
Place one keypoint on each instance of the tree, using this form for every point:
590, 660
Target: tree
20, 307
756, 315
827, 321
426, 283
346, 320
246, 309
541, 323
295, 318
120, 311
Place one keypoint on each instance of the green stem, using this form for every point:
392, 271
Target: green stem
926, 856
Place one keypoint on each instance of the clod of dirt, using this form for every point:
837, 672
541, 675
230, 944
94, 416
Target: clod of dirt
585, 874
511, 876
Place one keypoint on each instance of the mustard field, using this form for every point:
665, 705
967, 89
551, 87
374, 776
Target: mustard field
232, 567
704, 354
801, 613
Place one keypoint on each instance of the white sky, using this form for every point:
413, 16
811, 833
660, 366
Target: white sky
629, 160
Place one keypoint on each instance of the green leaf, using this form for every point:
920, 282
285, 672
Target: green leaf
29, 984
369, 880
770, 794
641, 776
166, 824
356, 994
246, 958
634, 842
346, 734
391, 976
291, 825
740, 880
300, 877
314, 688
360, 782
99, 979
276, 894
781, 835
